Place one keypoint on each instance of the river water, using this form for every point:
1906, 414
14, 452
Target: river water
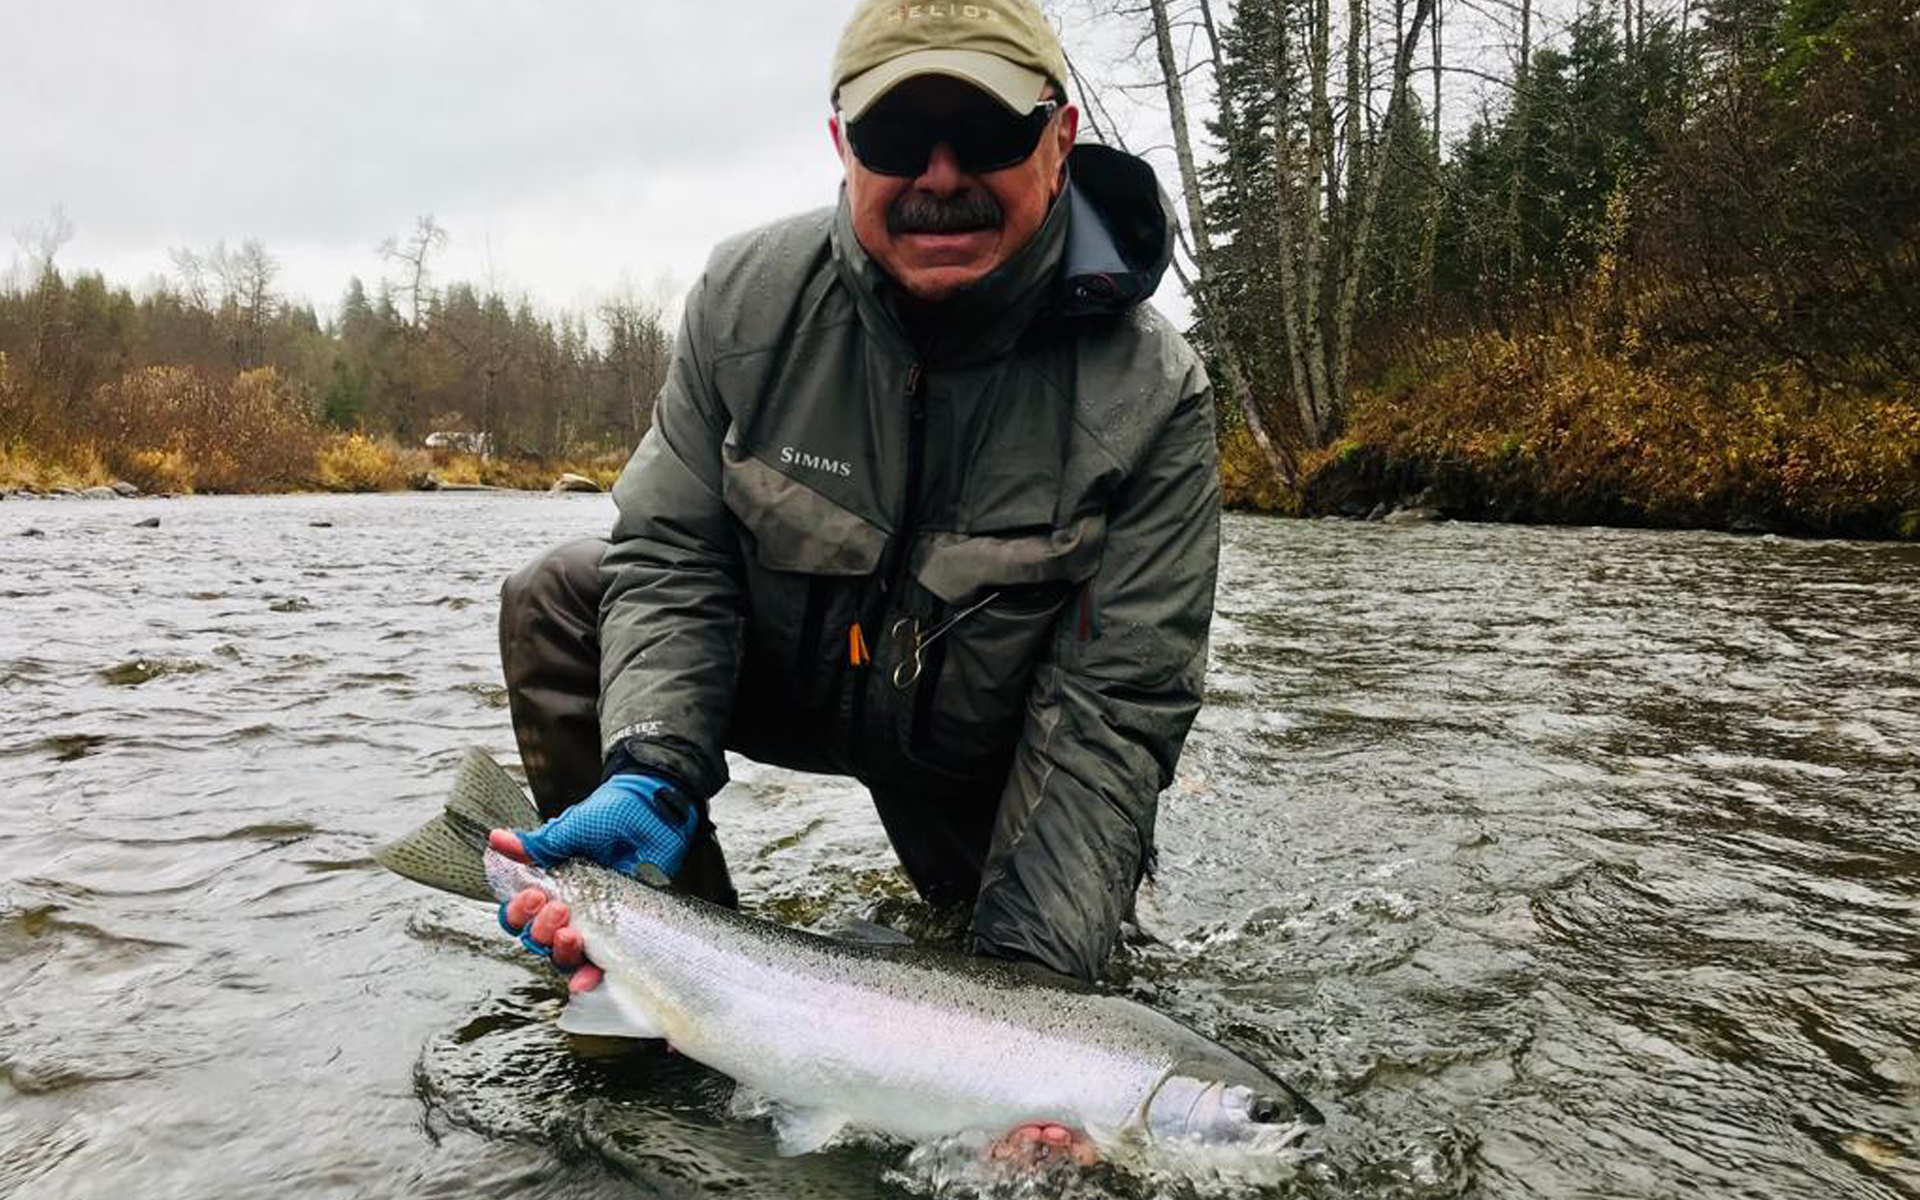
1549, 862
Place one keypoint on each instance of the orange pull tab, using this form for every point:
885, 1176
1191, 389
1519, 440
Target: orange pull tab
857, 647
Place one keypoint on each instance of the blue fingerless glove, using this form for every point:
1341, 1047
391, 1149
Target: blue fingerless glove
628, 820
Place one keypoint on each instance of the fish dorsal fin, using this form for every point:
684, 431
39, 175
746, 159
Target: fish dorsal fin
485, 794
804, 1130
599, 1012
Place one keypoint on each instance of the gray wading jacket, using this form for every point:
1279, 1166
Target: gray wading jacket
813, 468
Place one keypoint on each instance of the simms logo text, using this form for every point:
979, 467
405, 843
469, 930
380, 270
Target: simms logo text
814, 462
923, 12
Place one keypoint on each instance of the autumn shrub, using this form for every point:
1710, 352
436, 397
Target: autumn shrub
1246, 481
358, 463
1564, 430
533, 473
603, 468
25, 468
525, 472
457, 467
155, 470
250, 435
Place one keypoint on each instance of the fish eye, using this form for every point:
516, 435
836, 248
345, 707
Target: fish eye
1265, 1110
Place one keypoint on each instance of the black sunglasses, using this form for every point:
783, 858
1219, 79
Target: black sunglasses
986, 139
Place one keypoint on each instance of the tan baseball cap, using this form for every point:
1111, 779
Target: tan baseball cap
1005, 48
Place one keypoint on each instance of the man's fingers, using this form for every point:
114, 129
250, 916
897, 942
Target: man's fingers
548, 921
1039, 1142
524, 905
569, 948
585, 979
507, 842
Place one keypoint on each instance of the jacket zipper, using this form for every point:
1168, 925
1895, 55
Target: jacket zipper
893, 569
916, 454
807, 659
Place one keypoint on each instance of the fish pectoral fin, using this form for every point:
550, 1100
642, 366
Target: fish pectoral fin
600, 1013
804, 1130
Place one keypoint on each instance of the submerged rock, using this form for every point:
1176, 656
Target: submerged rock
137, 671
569, 482
149, 523
1413, 516
291, 604
33, 533
319, 524
99, 493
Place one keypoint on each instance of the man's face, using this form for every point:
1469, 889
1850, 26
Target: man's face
943, 229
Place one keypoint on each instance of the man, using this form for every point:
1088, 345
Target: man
930, 500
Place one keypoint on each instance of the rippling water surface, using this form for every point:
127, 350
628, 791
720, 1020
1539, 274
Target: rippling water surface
1551, 862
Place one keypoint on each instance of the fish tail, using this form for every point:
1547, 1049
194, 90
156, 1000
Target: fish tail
449, 851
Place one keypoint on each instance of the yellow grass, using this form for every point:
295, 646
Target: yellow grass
355, 462
159, 470
1570, 425
23, 468
1246, 481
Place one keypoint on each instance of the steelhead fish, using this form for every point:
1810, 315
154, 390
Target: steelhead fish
914, 1043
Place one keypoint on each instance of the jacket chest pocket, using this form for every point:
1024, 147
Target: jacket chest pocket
995, 605
807, 559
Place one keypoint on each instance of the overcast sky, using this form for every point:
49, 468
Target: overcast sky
564, 146
570, 148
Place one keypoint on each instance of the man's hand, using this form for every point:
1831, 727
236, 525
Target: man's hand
545, 924
1040, 1144
628, 821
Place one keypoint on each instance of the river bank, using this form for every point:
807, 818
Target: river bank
1546, 431
338, 463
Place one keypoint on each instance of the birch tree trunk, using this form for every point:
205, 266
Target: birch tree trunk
1292, 247
1516, 234
1310, 220
1328, 221
1205, 263
1375, 174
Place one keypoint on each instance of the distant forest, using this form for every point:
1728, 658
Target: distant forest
182, 369
1668, 273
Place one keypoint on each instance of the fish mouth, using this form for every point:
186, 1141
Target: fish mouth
1277, 1138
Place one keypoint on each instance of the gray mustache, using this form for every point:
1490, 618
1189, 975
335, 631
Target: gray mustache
918, 213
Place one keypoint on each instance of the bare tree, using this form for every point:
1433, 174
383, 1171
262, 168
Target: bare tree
412, 256
233, 287
49, 362
190, 279
1326, 208
246, 278
41, 240
638, 346
1205, 289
